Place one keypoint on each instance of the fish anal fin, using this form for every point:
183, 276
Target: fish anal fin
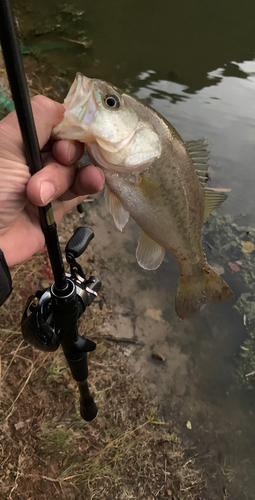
199, 289
212, 200
120, 215
149, 254
200, 156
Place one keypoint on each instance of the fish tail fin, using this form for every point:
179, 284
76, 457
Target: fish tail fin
203, 287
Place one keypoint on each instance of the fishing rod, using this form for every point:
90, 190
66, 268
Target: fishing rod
51, 315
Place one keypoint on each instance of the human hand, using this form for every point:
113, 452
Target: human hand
60, 181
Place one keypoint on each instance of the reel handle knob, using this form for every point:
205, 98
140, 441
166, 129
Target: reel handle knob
78, 243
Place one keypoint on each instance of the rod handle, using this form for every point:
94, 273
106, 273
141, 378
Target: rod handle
79, 369
88, 407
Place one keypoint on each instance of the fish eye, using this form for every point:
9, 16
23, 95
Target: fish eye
112, 101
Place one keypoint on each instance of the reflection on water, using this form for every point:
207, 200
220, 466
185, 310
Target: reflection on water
223, 112
193, 62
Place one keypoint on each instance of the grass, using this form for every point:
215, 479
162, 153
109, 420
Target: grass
48, 452
56, 367
58, 440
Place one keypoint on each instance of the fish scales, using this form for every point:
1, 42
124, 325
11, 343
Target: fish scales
150, 175
179, 187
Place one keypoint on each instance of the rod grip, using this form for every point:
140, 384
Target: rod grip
88, 408
79, 369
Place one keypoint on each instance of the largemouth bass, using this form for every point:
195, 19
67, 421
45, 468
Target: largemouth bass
150, 175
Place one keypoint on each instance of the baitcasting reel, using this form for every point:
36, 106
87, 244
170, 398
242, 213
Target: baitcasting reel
38, 323
50, 318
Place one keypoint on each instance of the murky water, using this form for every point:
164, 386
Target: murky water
194, 63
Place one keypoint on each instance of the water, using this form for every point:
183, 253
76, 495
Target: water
194, 63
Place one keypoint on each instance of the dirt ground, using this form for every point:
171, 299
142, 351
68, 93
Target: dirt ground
47, 450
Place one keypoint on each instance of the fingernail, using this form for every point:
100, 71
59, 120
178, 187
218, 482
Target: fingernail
47, 192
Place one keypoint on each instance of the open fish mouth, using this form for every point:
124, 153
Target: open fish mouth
81, 108
78, 91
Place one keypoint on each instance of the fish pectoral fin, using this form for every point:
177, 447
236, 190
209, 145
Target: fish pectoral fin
200, 156
120, 215
149, 254
212, 200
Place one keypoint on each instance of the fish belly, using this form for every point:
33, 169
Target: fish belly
163, 214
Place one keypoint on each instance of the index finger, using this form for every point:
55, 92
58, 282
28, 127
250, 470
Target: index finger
47, 114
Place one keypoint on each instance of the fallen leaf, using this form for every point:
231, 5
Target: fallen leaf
218, 269
158, 356
239, 262
234, 267
126, 351
169, 493
154, 314
244, 348
19, 425
188, 424
248, 246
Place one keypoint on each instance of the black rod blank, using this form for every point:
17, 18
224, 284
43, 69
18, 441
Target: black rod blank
20, 94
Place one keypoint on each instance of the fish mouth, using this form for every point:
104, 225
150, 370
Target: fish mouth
80, 87
81, 95
81, 108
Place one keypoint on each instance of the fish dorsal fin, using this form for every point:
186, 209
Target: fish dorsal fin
115, 207
212, 200
200, 156
149, 254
